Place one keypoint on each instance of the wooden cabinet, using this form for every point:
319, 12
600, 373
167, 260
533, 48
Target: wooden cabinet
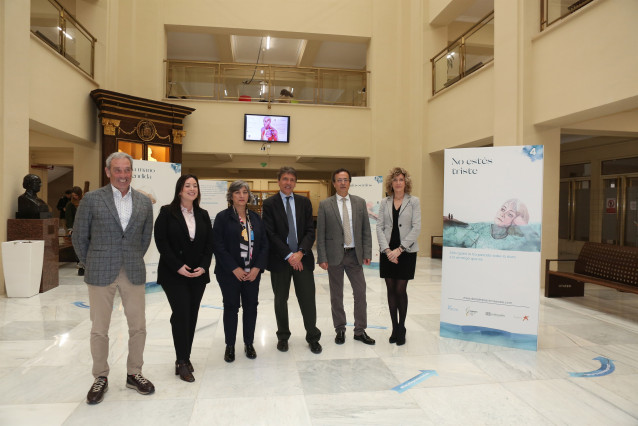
143, 128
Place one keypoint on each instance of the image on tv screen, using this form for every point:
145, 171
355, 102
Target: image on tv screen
266, 128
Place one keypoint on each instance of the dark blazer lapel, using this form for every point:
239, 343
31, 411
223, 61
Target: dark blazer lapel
232, 216
199, 223
107, 196
182, 222
299, 216
280, 205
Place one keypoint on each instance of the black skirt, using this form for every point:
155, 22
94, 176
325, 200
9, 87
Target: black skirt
404, 270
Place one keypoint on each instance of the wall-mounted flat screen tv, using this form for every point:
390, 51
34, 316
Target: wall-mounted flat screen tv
267, 128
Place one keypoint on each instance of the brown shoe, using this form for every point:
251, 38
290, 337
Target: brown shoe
139, 383
97, 391
188, 364
181, 369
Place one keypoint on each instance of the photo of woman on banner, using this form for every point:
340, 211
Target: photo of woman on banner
509, 230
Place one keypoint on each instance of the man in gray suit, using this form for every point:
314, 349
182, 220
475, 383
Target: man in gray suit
344, 244
112, 231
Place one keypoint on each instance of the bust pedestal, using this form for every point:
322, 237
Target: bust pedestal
40, 229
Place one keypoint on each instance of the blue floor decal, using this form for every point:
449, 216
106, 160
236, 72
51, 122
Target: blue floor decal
425, 374
379, 327
213, 307
606, 367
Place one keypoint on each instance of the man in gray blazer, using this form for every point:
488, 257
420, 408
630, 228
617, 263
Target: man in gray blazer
344, 244
111, 234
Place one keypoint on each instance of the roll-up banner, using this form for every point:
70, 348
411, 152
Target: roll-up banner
213, 196
492, 213
157, 181
370, 188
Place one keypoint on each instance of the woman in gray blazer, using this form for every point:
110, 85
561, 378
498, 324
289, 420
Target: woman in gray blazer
398, 228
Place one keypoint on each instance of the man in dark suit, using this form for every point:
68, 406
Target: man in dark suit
291, 233
111, 233
344, 244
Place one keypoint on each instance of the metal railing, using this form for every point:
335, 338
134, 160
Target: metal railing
265, 83
54, 25
553, 11
468, 53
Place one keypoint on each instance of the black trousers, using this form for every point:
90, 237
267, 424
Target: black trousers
184, 300
305, 290
239, 293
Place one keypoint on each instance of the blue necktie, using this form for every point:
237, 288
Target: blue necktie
292, 234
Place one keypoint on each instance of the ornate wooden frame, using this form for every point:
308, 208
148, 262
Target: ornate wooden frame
140, 120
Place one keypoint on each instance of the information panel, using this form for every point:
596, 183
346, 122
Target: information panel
213, 196
492, 214
157, 181
370, 188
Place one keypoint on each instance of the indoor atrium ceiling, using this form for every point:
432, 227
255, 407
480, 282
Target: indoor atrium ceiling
290, 49
213, 46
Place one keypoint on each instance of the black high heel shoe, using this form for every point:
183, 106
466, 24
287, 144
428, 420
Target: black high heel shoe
229, 355
393, 336
181, 369
401, 337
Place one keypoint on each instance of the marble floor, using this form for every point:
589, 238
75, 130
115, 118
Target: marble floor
45, 365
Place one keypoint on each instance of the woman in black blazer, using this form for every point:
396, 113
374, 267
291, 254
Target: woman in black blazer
184, 238
240, 245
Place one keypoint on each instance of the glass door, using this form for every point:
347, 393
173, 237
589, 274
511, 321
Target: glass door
573, 210
580, 224
611, 211
564, 201
631, 212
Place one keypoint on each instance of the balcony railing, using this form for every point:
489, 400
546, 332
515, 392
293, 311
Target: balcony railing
468, 53
265, 83
553, 11
54, 25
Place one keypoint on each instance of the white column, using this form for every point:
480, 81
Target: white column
515, 23
14, 107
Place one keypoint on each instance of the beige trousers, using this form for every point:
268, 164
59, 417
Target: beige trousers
101, 302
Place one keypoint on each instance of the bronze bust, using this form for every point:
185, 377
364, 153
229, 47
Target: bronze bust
29, 205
